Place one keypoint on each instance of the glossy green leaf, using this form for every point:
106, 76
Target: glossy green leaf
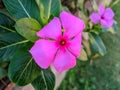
45, 81
22, 8
48, 8
22, 69
44, 6
5, 19
97, 44
27, 27
10, 41
55, 7
3, 72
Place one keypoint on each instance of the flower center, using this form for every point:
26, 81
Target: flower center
102, 17
62, 42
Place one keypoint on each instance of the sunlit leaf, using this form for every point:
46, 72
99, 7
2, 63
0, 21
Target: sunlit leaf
27, 27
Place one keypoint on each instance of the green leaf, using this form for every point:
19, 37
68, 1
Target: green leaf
22, 69
44, 6
10, 41
5, 19
27, 27
22, 8
55, 8
97, 44
48, 8
3, 72
45, 81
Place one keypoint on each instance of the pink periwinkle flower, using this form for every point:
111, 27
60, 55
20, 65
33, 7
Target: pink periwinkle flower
104, 16
60, 44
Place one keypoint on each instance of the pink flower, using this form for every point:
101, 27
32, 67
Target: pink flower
104, 16
56, 47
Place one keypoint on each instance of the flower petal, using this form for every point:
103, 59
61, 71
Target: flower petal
51, 30
109, 14
101, 9
94, 17
75, 45
43, 52
64, 60
71, 24
107, 23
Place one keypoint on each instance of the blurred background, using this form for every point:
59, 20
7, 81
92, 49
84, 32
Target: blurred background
102, 73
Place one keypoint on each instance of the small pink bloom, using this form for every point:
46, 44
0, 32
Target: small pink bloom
104, 16
56, 47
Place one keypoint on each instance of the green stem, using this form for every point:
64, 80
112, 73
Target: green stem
7, 28
14, 44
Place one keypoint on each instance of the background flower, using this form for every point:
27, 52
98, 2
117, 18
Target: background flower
104, 16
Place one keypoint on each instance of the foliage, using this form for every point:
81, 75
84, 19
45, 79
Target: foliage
27, 18
46, 82
19, 23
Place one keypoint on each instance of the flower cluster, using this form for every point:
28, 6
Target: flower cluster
61, 38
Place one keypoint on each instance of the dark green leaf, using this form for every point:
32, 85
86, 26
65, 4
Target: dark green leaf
48, 8
97, 44
5, 19
27, 27
22, 69
9, 39
22, 8
45, 81
55, 8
